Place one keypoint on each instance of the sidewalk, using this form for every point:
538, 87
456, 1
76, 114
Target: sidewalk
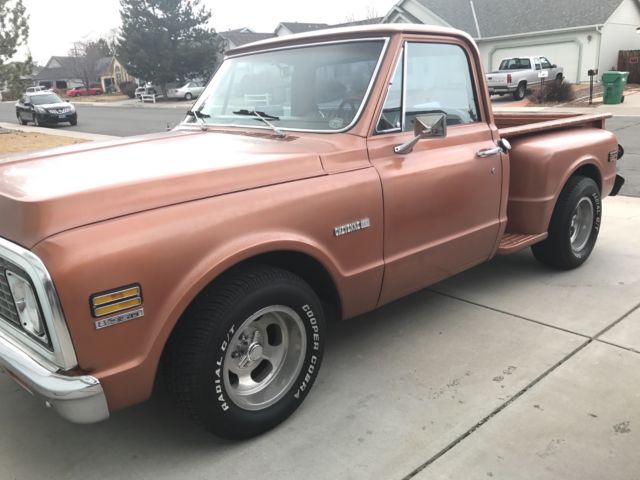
509, 371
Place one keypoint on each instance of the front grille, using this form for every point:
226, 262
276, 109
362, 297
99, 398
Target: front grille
8, 310
60, 110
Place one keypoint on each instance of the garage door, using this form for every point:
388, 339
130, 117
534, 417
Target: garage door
563, 54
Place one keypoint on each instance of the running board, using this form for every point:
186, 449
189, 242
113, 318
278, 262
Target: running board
512, 242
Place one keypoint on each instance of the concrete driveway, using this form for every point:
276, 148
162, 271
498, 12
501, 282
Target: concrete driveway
508, 371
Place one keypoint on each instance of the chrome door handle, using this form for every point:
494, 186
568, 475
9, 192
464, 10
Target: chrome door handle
487, 152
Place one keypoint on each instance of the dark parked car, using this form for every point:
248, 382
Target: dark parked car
44, 108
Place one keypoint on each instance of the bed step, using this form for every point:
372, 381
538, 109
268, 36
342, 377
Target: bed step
512, 242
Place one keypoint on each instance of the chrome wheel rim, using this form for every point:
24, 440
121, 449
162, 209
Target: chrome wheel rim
264, 357
581, 224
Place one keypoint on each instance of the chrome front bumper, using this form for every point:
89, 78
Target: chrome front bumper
79, 399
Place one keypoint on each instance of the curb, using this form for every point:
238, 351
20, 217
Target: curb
56, 132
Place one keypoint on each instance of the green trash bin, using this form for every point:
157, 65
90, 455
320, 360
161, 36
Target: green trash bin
613, 83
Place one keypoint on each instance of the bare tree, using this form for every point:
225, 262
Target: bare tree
85, 56
370, 13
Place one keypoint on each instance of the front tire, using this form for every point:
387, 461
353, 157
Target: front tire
21, 121
246, 353
574, 225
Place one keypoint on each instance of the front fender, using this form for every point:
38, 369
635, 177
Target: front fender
174, 252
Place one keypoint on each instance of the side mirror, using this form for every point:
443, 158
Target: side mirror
425, 126
554, 66
28, 104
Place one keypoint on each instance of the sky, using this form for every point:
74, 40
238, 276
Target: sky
55, 25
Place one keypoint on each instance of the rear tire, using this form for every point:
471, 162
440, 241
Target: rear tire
188, 96
246, 353
574, 225
520, 91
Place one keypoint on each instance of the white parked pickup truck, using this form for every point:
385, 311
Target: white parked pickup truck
516, 75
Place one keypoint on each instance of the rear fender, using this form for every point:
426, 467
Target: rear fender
542, 164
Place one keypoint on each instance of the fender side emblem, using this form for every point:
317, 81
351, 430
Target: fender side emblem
118, 319
352, 227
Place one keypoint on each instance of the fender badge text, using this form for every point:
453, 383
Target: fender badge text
352, 227
123, 317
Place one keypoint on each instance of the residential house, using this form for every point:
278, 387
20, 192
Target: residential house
242, 36
59, 73
62, 73
578, 35
289, 28
111, 73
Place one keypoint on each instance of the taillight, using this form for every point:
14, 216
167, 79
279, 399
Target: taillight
509, 79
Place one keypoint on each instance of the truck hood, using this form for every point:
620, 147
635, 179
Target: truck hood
47, 192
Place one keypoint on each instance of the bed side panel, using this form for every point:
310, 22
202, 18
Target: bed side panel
541, 165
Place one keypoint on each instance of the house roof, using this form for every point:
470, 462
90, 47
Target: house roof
103, 66
508, 17
241, 36
63, 68
296, 27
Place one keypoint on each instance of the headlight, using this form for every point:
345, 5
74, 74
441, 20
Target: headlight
40, 110
27, 306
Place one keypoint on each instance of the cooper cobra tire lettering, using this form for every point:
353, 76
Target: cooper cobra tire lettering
217, 330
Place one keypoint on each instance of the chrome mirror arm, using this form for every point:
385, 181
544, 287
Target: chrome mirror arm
408, 146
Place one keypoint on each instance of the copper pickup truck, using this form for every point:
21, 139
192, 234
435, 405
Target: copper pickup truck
318, 176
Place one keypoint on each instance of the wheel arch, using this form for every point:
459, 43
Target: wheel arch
589, 170
301, 261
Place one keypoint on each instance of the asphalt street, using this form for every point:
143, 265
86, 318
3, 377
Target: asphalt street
118, 121
137, 120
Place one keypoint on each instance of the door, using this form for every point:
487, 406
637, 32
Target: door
23, 109
546, 65
441, 200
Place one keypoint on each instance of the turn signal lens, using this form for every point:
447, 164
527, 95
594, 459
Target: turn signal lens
116, 300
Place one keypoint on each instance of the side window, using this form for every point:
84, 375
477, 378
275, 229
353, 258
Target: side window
391, 116
538, 66
545, 63
438, 79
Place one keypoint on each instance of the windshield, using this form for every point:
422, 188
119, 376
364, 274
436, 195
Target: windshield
319, 88
45, 99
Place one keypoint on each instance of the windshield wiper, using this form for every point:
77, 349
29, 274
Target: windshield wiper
265, 117
199, 116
